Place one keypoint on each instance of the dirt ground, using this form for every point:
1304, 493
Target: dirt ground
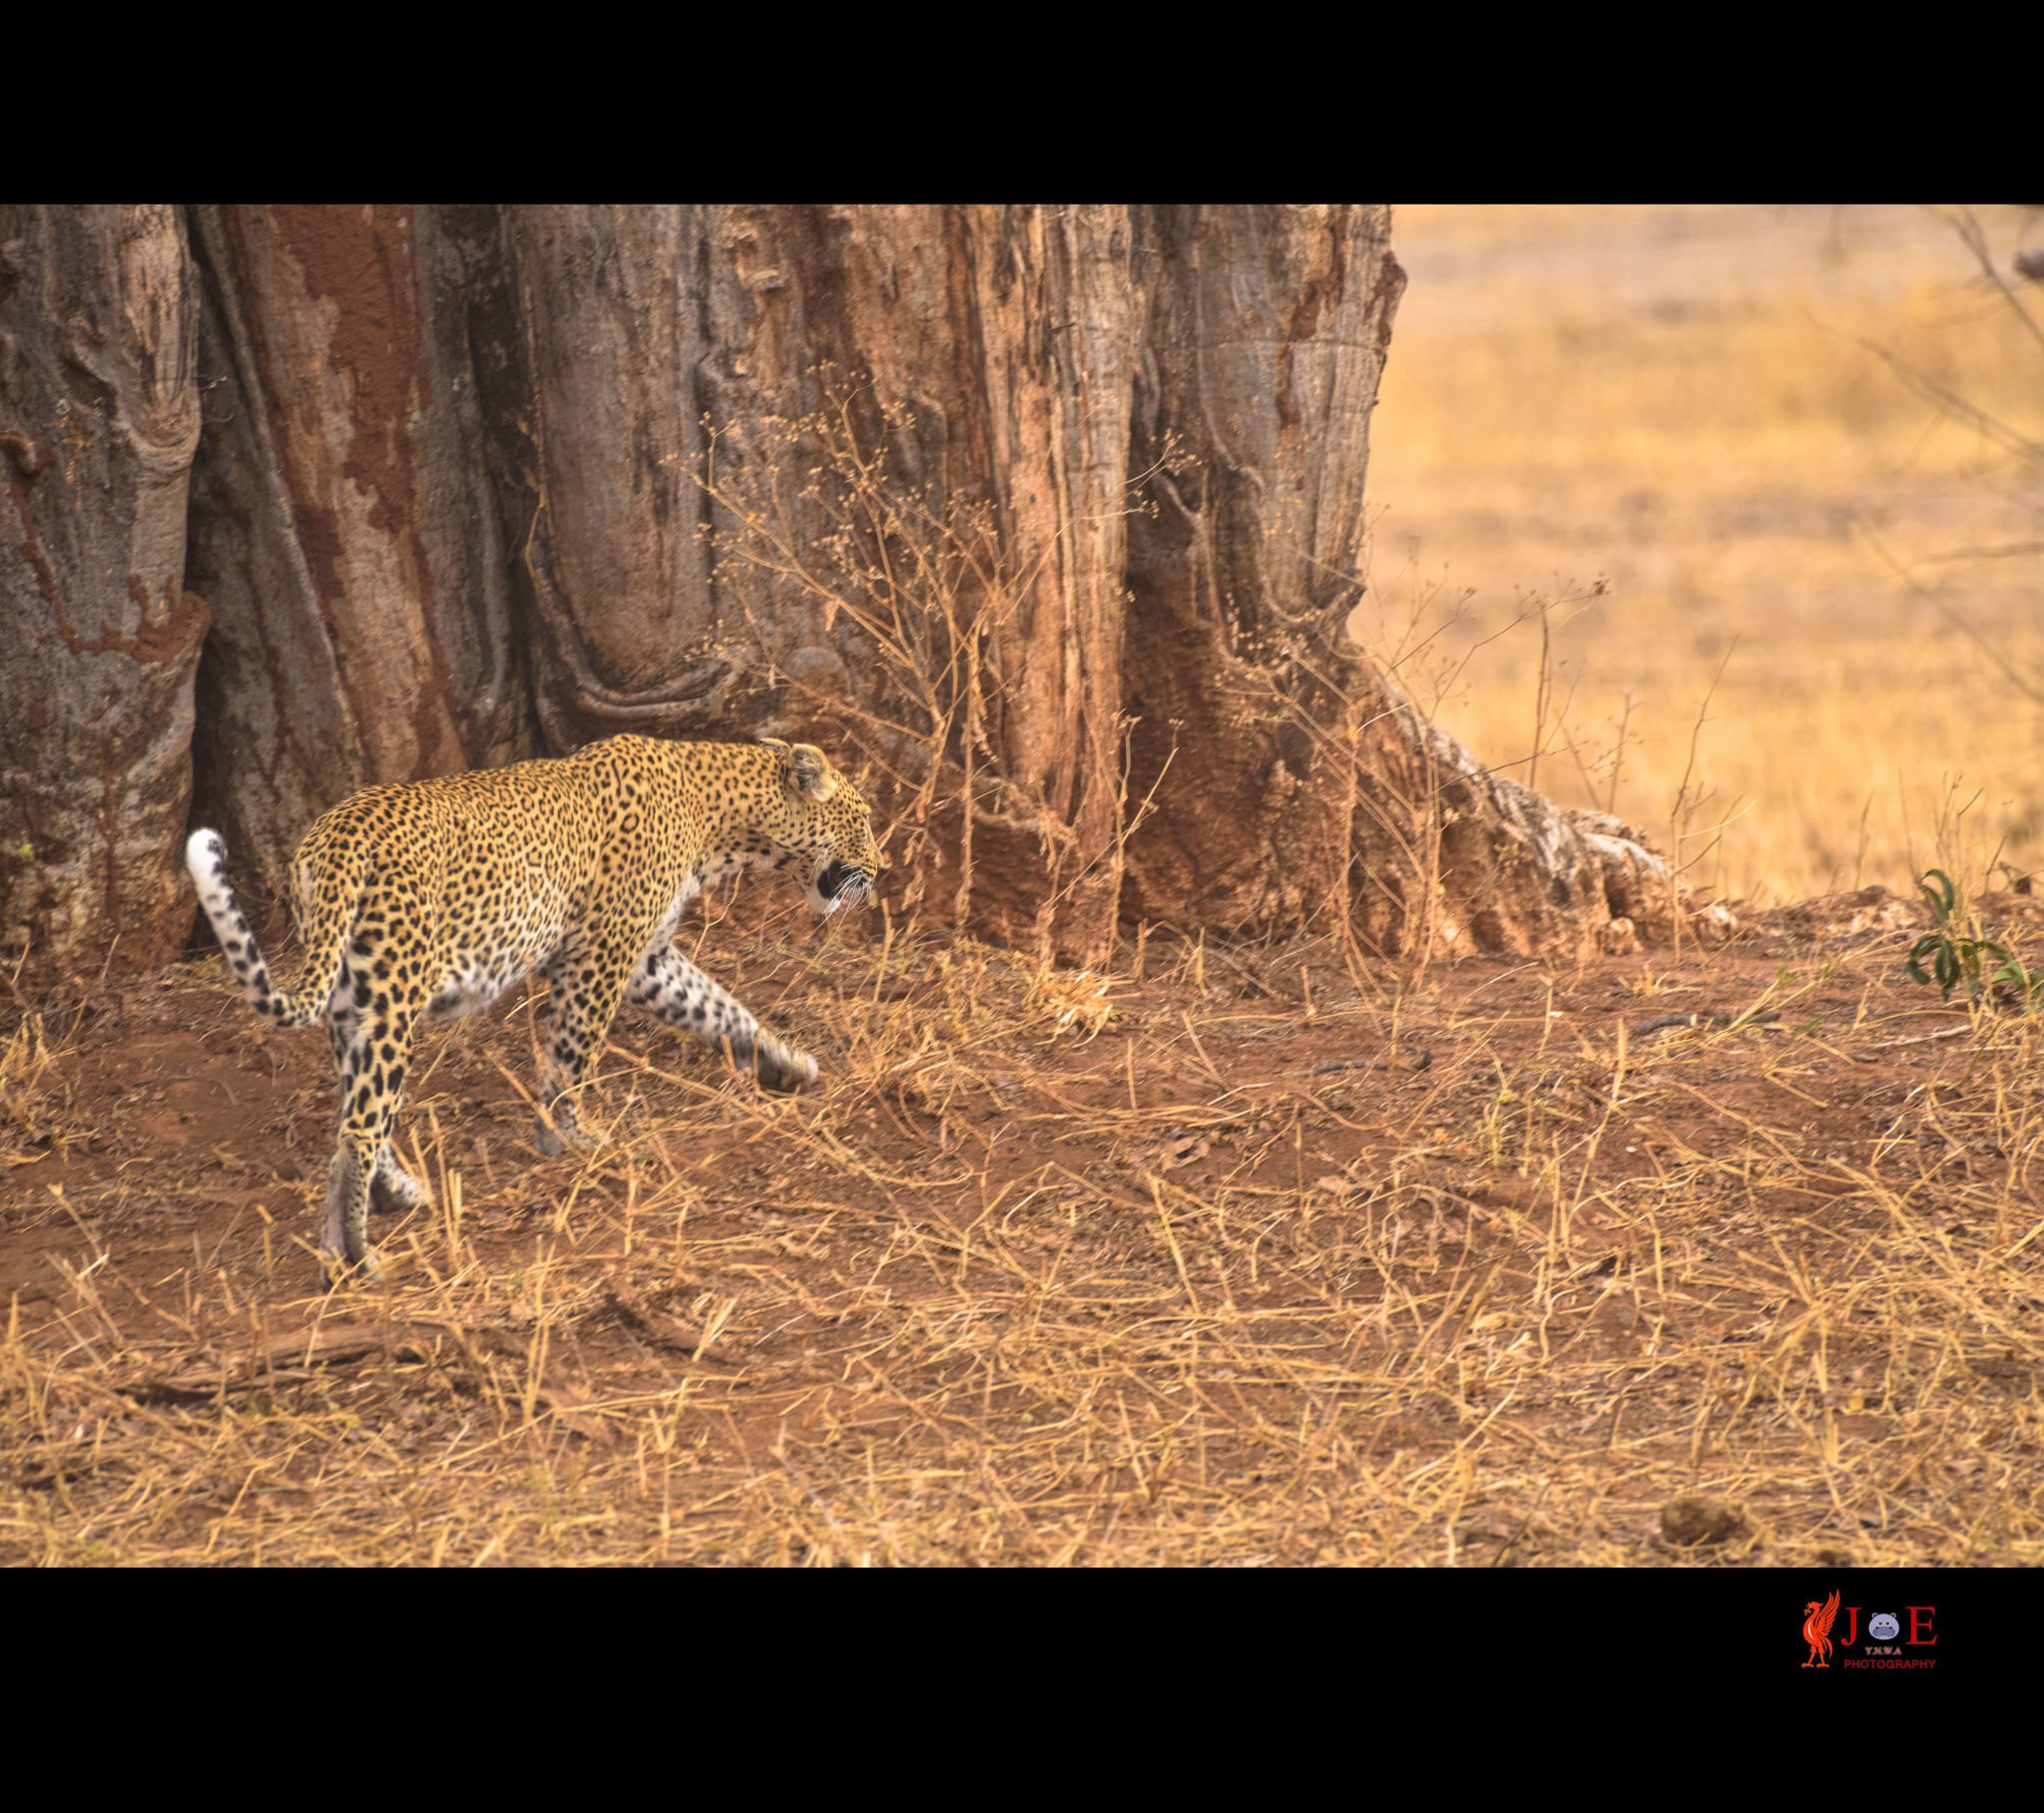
1043, 1274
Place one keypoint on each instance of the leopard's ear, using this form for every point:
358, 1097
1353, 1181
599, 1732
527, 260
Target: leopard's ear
804, 769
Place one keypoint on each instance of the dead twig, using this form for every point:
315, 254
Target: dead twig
1668, 1020
1423, 1061
669, 1331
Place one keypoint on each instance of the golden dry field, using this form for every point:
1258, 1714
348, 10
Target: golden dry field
1692, 405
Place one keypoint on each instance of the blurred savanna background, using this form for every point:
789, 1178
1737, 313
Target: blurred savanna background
1795, 451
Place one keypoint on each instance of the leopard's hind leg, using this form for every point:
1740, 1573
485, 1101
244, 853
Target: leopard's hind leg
392, 1187
372, 1033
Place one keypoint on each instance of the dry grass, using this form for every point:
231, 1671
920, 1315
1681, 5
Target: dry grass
1004, 1293
1685, 403
34, 1104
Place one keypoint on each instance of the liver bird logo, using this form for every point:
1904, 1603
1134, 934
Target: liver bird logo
1816, 1630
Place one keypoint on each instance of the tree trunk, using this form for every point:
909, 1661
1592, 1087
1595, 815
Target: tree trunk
1266, 334
1035, 515
99, 415
344, 518
1294, 782
984, 354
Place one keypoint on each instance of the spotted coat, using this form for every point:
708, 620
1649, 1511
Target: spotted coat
420, 903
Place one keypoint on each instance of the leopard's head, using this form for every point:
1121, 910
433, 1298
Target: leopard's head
824, 823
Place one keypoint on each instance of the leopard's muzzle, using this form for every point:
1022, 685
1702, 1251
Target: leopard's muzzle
842, 885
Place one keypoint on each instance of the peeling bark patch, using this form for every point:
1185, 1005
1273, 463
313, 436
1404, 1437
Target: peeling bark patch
1324, 284
31, 545
168, 634
362, 261
26, 455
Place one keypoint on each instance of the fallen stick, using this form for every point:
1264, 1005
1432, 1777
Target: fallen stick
289, 1360
1373, 1064
1950, 1031
670, 1331
1666, 1019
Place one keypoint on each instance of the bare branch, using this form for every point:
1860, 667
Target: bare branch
1967, 226
2023, 686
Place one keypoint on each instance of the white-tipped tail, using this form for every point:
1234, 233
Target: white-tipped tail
206, 855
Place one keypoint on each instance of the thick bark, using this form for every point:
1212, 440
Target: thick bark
1266, 333
1167, 412
99, 415
1037, 513
1293, 784
987, 354
1451, 857
344, 520
628, 632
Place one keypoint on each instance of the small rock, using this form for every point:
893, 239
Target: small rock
1690, 1521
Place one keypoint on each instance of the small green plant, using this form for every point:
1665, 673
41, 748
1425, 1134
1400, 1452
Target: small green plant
1956, 958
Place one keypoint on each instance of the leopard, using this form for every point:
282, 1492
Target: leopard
419, 902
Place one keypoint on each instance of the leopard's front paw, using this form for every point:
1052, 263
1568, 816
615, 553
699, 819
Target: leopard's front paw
555, 1139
